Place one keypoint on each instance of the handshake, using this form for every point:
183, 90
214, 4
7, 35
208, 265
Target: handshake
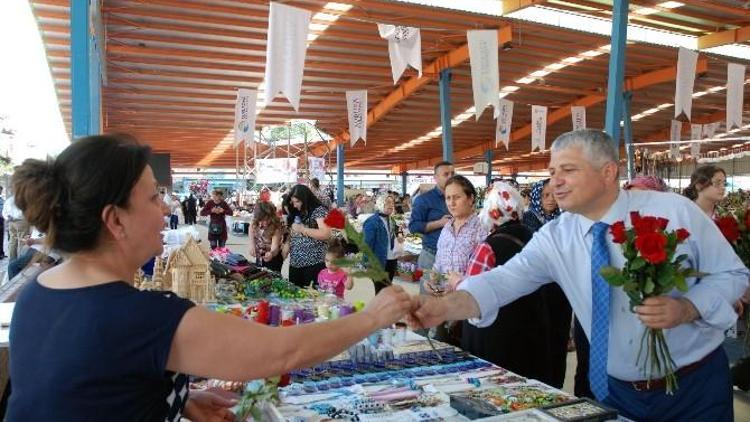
393, 304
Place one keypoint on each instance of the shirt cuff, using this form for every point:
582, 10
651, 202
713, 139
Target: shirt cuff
714, 310
484, 295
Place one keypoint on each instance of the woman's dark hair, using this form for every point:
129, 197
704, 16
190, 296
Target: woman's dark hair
315, 183
266, 211
700, 179
465, 185
306, 196
64, 197
335, 248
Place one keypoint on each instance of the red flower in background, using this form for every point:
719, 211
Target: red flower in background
729, 228
652, 247
618, 232
682, 234
335, 219
417, 275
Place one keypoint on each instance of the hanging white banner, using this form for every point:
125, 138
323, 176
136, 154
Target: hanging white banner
317, 167
709, 130
276, 170
404, 48
504, 122
675, 134
356, 106
538, 127
695, 149
244, 116
696, 132
579, 117
285, 52
485, 76
683, 97
735, 91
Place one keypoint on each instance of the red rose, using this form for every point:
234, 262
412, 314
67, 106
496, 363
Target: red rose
648, 224
682, 234
618, 232
729, 228
662, 222
495, 213
652, 247
506, 195
335, 219
417, 275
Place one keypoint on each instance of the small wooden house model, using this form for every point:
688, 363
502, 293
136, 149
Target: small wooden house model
188, 268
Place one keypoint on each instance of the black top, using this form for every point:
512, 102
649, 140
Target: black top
95, 353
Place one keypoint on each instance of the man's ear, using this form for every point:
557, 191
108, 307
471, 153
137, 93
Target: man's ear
610, 172
112, 222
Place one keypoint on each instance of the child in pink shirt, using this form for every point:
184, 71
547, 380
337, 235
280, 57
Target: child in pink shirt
332, 278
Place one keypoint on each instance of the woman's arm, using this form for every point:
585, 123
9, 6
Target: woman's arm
276, 242
323, 232
220, 346
251, 243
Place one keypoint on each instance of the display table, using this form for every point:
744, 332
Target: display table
6, 311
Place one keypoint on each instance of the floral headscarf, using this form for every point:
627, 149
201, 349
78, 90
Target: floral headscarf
535, 204
502, 203
648, 183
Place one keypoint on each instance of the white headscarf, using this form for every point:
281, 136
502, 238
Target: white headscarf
502, 203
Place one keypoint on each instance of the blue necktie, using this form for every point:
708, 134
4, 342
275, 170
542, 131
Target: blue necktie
599, 313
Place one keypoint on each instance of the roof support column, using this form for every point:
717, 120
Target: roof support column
445, 114
340, 199
488, 157
404, 176
85, 68
628, 134
616, 78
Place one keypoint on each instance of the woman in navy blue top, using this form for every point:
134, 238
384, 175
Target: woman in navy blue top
86, 345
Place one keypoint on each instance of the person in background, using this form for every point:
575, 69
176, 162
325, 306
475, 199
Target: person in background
2, 225
322, 197
104, 366
515, 340
429, 215
654, 183
18, 228
526, 195
34, 252
332, 278
584, 170
309, 236
191, 207
380, 235
265, 237
708, 185
217, 209
174, 207
353, 205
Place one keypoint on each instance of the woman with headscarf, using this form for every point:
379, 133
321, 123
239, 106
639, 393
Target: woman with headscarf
543, 209
515, 340
379, 232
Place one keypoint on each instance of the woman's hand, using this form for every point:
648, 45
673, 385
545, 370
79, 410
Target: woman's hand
454, 278
209, 406
267, 256
389, 306
297, 227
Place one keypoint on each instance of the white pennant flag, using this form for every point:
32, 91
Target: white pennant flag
579, 117
675, 134
695, 149
404, 48
356, 106
285, 52
696, 133
485, 76
709, 130
317, 167
538, 127
244, 116
504, 123
735, 88
683, 97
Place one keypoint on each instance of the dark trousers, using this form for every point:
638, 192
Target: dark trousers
18, 264
217, 243
303, 276
704, 394
582, 387
190, 218
173, 221
2, 237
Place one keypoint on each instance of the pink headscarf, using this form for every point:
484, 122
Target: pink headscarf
648, 183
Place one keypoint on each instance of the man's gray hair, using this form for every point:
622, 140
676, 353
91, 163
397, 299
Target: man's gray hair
595, 144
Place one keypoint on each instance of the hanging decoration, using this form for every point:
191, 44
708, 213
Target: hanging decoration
317, 167
675, 134
538, 127
504, 122
244, 116
485, 76
579, 117
683, 97
276, 170
404, 48
735, 88
285, 52
696, 134
356, 106
709, 130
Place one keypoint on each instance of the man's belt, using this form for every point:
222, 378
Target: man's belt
661, 383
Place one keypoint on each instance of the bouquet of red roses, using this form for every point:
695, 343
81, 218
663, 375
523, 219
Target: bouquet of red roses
651, 269
736, 229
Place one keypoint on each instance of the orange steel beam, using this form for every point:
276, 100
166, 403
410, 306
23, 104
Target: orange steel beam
510, 6
631, 84
414, 84
724, 37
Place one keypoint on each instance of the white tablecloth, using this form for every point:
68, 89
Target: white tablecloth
6, 311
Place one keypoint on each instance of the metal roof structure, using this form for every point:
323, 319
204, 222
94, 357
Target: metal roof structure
173, 67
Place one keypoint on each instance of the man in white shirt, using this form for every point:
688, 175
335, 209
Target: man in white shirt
18, 228
584, 176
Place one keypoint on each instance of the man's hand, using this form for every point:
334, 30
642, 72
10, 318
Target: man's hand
666, 312
429, 312
209, 406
